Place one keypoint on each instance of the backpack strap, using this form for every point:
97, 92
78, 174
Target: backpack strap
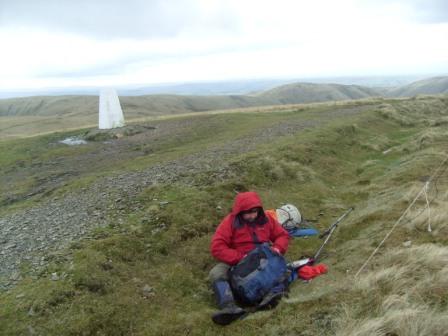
255, 238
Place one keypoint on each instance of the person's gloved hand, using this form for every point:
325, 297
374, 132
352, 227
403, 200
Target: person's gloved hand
275, 250
309, 272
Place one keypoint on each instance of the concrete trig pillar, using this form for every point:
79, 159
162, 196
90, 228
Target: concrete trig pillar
110, 114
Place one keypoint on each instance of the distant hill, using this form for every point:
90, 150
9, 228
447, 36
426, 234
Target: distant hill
310, 92
147, 105
434, 85
153, 105
48, 106
132, 106
224, 87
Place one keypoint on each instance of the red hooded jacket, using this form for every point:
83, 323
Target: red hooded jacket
233, 238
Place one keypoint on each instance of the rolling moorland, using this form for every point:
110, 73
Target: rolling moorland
111, 237
19, 116
226, 87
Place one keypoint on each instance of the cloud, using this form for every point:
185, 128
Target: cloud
108, 19
430, 11
418, 11
136, 41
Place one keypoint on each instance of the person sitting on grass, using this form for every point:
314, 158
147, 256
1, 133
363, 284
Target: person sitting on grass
243, 232
235, 237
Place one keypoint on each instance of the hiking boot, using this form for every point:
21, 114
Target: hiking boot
270, 301
224, 297
228, 314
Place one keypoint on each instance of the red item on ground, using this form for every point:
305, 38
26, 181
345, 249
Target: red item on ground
309, 272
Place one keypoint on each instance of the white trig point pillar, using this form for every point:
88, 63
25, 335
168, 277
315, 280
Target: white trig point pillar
110, 115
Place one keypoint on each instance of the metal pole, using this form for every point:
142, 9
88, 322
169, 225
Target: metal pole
329, 232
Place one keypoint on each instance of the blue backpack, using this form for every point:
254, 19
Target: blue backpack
257, 274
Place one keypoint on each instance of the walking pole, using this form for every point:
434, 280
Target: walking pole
329, 232
309, 261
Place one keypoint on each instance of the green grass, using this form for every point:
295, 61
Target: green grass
204, 131
323, 170
30, 116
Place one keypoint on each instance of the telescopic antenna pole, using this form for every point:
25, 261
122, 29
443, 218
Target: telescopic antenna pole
329, 232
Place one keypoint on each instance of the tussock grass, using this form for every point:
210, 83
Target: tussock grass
404, 295
405, 291
436, 215
411, 320
388, 111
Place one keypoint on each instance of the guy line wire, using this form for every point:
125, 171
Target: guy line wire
428, 203
423, 189
428, 207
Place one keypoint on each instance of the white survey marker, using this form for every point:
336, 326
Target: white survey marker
110, 115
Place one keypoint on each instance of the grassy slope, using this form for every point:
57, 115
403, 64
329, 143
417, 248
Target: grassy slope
19, 116
435, 85
169, 104
308, 93
323, 170
34, 164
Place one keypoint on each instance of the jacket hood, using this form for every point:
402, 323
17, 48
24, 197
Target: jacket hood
246, 201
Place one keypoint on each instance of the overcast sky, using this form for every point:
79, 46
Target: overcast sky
109, 42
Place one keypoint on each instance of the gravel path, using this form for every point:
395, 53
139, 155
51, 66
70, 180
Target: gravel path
29, 235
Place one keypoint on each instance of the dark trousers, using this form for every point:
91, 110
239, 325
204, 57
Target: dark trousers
219, 272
